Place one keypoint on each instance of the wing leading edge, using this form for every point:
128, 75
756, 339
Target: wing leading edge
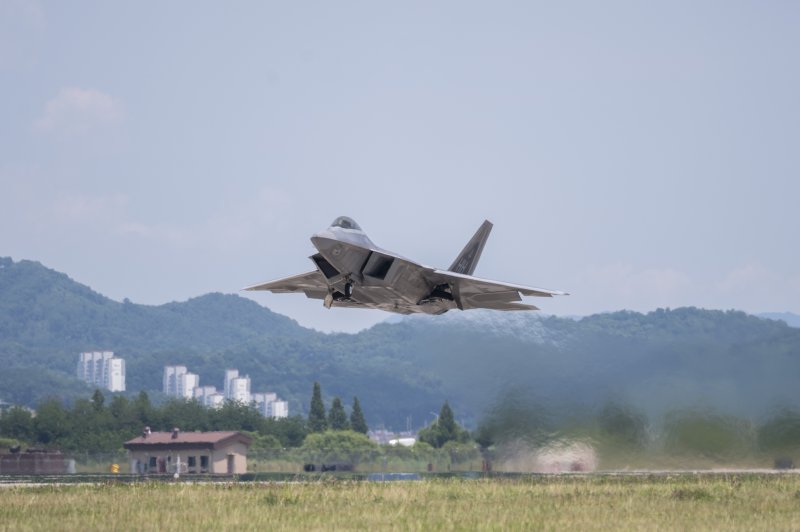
312, 284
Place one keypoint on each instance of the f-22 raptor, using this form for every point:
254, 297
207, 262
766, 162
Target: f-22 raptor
351, 271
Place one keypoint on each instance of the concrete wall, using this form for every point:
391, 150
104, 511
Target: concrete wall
220, 459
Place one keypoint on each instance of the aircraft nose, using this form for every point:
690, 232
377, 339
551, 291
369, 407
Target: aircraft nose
323, 240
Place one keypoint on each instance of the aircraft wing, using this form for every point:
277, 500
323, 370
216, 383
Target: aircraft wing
473, 292
312, 284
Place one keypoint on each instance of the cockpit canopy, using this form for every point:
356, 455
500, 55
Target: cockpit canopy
346, 223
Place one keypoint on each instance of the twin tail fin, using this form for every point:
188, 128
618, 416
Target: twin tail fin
467, 260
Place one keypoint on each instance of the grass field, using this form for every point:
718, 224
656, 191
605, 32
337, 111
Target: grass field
706, 502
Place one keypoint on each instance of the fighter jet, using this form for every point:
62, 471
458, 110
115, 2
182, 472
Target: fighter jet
351, 271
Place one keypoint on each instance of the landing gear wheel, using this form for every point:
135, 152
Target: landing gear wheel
348, 290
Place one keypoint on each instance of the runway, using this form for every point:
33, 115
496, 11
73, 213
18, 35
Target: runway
8, 481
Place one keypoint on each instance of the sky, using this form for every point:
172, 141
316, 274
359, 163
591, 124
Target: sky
638, 155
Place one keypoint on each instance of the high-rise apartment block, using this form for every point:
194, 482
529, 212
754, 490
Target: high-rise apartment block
102, 369
230, 374
277, 409
237, 388
240, 389
264, 397
269, 406
179, 382
209, 396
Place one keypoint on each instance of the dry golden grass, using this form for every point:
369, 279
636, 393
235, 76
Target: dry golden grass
748, 502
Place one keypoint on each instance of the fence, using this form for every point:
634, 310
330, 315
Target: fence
291, 461
384, 460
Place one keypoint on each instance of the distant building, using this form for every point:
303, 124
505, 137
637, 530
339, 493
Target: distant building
269, 406
187, 384
230, 374
261, 398
208, 396
179, 382
240, 389
237, 388
188, 452
114, 375
278, 409
170, 379
102, 369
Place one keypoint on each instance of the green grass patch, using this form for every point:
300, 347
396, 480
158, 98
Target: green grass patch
718, 502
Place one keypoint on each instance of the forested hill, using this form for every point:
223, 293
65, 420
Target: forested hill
402, 370
46, 319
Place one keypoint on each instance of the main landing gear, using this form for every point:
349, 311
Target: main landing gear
338, 296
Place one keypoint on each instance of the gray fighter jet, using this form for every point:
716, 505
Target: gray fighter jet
351, 271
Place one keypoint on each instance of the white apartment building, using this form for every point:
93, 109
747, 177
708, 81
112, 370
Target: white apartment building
239, 389
264, 397
215, 400
202, 391
187, 383
102, 369
269, 406
208, 396
230, 374
170, 380
277, 409
179, 382
114, 375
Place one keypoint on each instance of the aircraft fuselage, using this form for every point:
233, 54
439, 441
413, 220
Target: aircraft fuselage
378, 278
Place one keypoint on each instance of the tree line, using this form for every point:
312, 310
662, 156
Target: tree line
336, 418
97, 425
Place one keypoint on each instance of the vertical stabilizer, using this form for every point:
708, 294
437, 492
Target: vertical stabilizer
468, 258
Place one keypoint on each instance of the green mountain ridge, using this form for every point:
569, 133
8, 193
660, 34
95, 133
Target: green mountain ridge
403, 370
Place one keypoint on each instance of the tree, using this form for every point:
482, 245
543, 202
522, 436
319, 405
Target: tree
357, 421
316, 415
92, 428
447, 424
337, 417
144, 411
98, 399
189, 415
121, 409
334, 446
444, 429
17, 423
51, 422
291, 431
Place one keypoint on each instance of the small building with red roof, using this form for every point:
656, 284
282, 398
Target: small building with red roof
220, 452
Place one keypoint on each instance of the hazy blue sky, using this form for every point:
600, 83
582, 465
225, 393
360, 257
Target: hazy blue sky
636, 154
